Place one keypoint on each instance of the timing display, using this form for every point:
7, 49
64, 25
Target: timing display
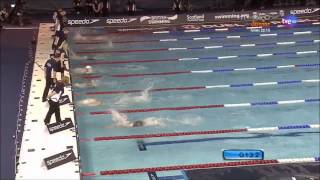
243, 154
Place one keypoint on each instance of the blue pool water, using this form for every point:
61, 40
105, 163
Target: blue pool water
97, 156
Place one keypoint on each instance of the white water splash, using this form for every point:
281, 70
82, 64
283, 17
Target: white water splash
88, 84
105, 38
131, 99
121, 120
85, 70
90, 102
188, 119
131, 67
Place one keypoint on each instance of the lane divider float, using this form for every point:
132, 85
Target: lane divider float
185, 108
287, 82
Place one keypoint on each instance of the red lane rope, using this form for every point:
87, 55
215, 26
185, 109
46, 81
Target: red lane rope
189, 167
88, 174
141, 41
127, 62
192, 133
122, 51
115, 42
92, 42
150, 74
160, 109
151, 90
91, 77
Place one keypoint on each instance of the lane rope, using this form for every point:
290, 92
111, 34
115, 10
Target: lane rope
200, 38
184, 108
217, 70
207, 166
197, 133
215, 58
273, 83
284, 43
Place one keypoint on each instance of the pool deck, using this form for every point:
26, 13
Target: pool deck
37, 143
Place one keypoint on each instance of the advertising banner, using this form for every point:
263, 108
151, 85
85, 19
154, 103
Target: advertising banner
220, 19
60, 126
59, 159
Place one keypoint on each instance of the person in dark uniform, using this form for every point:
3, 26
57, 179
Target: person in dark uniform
177, 6
77, 6
89, 7
49, 75
53, 100
106, 7
131, 7
97, 8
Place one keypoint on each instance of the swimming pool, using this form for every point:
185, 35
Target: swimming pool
197, 93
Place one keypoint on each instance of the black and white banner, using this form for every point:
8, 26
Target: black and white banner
59, 159
195, 18
60, 126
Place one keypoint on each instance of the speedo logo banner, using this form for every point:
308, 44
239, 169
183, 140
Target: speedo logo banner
59, 159
72, 22
120, 20
199, 18
60, 126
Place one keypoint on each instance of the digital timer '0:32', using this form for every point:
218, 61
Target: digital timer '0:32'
243, 154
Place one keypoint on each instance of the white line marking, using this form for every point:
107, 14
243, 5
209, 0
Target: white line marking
296, 160
168, 39
227, 57
315, 125
222, 29
218, 86
212, 47
237, 105
302, 32
201, 38
286, 66
285, 43
247, 45
311, 80
263, 129
195, 30
306, 52
264, 55
188, 59
161, 32
269, 34
258, 27
291, 102
244, 69
173, 49
203, 71
265, 84
233, 37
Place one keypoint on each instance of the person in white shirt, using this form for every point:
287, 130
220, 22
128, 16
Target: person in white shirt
53, 100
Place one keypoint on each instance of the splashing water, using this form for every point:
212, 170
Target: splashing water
90, 102
121, 120
88, 84
85, 70
142, 98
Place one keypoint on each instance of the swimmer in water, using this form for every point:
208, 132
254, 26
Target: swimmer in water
85, 70
90, 102
121, 120
137, 123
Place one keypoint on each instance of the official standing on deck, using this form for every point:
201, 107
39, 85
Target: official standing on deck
53, 100
49, 74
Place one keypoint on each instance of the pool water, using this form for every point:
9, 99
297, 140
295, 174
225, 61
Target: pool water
128, 61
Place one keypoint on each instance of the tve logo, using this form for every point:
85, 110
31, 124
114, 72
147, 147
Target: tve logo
289, 20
